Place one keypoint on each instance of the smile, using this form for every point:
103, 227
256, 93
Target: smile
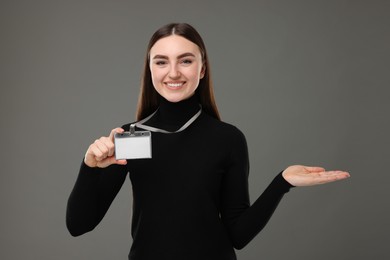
175, 85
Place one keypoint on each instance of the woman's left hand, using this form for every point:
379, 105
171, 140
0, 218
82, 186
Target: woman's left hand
299, 175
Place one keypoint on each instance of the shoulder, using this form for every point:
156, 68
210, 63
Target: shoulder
222, 129
229, 139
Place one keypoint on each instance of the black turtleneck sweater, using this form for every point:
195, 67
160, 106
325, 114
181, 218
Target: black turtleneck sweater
191, 200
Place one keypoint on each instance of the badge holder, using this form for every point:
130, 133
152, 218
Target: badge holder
133, 144
138, 144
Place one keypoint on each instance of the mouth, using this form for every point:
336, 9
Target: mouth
175, 85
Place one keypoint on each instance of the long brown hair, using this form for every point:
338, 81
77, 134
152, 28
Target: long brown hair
149, 100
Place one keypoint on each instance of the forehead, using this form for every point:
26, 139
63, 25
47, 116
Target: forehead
174, 45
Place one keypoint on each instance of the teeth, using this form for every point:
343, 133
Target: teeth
175, 85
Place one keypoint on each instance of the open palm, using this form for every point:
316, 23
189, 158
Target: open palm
299, 175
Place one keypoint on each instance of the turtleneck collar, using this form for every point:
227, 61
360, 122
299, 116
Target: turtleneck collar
171, 116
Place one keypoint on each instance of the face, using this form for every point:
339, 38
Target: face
176, 66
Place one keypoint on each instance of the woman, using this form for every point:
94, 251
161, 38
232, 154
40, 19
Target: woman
190, 200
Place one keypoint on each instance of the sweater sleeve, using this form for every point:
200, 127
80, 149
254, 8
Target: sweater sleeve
243, 221
92, 195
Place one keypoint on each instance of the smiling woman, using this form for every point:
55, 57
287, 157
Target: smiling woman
149, 98
191, 199
177, 67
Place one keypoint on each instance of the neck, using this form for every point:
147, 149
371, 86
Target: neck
171, 116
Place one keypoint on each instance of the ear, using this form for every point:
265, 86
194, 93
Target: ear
203, 71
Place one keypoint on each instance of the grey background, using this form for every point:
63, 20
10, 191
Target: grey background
306, 81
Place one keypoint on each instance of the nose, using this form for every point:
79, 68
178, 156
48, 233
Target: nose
174, 73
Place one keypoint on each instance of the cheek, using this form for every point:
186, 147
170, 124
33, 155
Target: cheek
156, 76
195, 74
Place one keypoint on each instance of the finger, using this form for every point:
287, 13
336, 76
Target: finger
94, 151
335, 173
109, 145
121, 162
100, 149
90, 156
118, 130
109, 161
331, 176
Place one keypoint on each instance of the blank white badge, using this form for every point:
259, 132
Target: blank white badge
133, 146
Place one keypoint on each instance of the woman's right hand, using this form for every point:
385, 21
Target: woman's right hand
102, 152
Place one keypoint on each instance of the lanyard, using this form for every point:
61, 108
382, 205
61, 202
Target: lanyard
154, 129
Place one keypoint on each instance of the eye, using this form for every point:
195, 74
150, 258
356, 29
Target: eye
186, 61
160, 62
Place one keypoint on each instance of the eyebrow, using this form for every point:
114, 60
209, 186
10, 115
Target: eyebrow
178, 57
